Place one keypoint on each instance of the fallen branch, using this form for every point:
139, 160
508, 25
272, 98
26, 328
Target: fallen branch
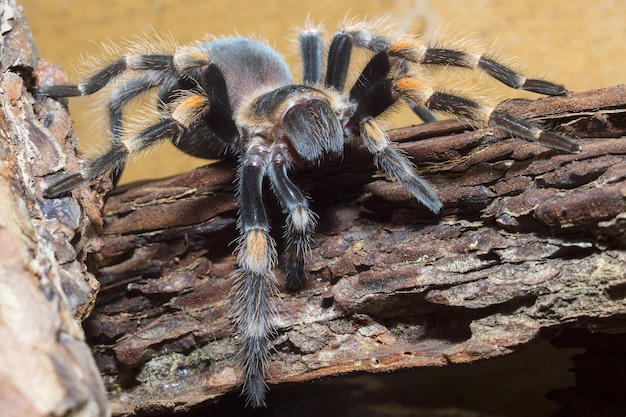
529, 242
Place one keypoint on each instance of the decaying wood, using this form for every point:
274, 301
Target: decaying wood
46, 368
530, 242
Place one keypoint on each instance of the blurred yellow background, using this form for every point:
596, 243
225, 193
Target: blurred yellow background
578, 43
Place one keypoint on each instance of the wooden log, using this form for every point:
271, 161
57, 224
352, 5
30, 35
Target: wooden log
530, 242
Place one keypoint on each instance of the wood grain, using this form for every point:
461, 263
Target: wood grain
530, 242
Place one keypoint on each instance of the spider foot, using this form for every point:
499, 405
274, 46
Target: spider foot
64, 186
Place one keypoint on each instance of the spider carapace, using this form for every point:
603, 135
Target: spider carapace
236, 97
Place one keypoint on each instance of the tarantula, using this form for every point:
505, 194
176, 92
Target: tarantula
236, 97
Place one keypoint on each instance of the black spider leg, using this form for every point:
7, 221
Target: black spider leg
255, 288
311, 47
301, 220
477, 113
178, 65
502, 73
189, 111
362, 38
116, 156
119, 98
374, 95
338, 61
416, 51
220, 116
376, 71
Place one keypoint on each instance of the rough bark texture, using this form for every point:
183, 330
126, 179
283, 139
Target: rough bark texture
46, 368
530, 242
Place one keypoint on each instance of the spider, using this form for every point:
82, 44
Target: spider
236, 97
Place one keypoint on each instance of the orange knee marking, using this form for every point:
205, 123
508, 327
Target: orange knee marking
192, 103
186, 60
256, 245
188, 109
409, 84
400, 46
199, 56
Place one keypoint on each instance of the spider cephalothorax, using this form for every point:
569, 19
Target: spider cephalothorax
235, 97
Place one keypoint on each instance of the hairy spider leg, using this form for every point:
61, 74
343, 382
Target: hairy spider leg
161, 69
338, 61
375, 72
396, 164
416, 51
412, 90
183, 62
426, 55
123, 94
311, 50
167, 128
114, 158
255, 287
215, 135
374, 95
361, 37
300, 220
120, 97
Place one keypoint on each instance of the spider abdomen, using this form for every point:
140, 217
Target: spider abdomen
238, 69
249, 66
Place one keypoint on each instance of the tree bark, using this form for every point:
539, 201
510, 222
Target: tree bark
530, 242
46, 368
